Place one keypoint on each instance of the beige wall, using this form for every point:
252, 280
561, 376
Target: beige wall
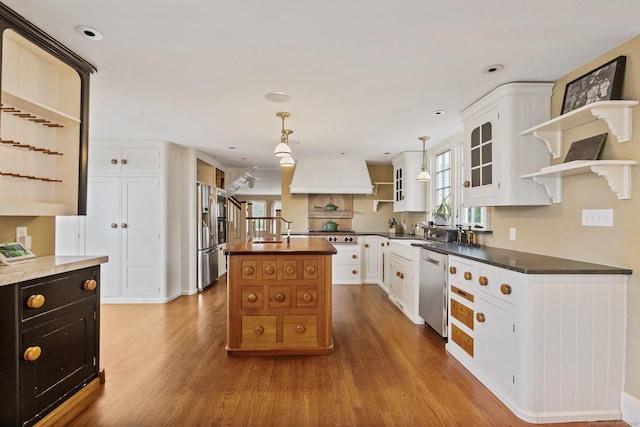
556, 230
41, 230
294, 206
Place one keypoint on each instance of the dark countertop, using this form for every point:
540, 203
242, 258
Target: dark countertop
522, 262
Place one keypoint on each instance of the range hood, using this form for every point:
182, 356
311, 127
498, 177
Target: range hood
331, 176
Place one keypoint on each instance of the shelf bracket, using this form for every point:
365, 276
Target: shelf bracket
618, 178
376, 202
376, 184
553, 139
618, 120
553, 185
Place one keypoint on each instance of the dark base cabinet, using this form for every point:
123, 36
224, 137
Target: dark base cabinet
51, 351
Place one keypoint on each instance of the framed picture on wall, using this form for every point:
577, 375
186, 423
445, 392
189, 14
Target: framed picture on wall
602, 84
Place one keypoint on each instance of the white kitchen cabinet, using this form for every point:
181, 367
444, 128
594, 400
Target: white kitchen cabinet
371, 259
106, 160
404, 266
346, 265
132, 215
497, 154
409, 194
534, 339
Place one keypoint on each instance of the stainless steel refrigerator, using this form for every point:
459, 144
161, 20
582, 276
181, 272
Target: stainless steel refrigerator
207, 236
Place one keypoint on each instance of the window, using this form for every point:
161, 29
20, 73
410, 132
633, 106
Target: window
275, 205
442, 182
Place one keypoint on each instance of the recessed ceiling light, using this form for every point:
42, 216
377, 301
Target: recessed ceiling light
277, 97
439, 113
89, 32
232, 148
493, 69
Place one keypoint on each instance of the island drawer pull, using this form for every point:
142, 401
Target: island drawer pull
35, 301
31, 354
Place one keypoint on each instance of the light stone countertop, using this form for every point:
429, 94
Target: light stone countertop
46, 266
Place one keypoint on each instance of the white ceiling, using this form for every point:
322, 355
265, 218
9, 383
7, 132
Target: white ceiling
364, 75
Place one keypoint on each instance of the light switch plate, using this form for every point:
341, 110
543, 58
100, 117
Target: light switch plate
512, 233
597, 217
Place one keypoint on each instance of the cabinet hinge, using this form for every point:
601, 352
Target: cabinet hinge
514, 379
514, 328
94, 361
95, 316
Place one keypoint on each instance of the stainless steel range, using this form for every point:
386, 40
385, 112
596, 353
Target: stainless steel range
348, 237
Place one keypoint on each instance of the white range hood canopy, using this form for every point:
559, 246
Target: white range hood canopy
331, 176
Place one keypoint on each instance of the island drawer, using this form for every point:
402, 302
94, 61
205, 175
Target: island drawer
56, 292
301, 330
258, 330
306, 296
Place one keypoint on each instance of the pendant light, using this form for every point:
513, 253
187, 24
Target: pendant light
287, 161
423, 175
283, 149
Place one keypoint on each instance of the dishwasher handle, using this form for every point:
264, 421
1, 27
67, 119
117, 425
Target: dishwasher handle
431, 260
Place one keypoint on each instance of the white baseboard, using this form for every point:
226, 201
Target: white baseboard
630, 408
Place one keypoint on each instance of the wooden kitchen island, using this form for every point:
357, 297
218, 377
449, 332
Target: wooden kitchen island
279, 297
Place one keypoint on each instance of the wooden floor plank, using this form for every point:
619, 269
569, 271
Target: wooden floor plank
166, 366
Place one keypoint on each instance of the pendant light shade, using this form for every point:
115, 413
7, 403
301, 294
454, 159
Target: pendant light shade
282, 149
423, 176
287, 161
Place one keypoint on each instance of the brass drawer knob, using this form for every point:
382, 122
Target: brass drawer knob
269, 270
354, 256
123, 225
366, 245
467, 275
114, 161
32, 354
401, 275
252, 297
452, 270
505, 289
483, 281
35, 301
259, 330
114, 225
249, 270
480, 317
123, 161
90, 284
280, 297
307, 297
311, 269
354, 271
290, 270
300, 329
382, 244
467, 184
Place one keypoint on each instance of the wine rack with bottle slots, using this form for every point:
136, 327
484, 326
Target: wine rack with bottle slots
42, 124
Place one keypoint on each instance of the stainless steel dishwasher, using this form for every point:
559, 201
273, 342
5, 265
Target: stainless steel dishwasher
433, 290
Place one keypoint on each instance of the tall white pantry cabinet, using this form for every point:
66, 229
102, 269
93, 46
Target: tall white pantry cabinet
132, 216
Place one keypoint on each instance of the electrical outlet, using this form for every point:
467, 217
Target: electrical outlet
512, 233
597, 217
21, 232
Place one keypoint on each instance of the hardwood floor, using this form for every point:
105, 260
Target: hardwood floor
166, 366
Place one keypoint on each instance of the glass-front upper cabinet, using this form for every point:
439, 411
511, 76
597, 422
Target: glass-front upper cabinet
496, 154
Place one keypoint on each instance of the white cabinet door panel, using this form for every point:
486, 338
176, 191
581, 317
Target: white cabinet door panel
140, 237
102, 230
